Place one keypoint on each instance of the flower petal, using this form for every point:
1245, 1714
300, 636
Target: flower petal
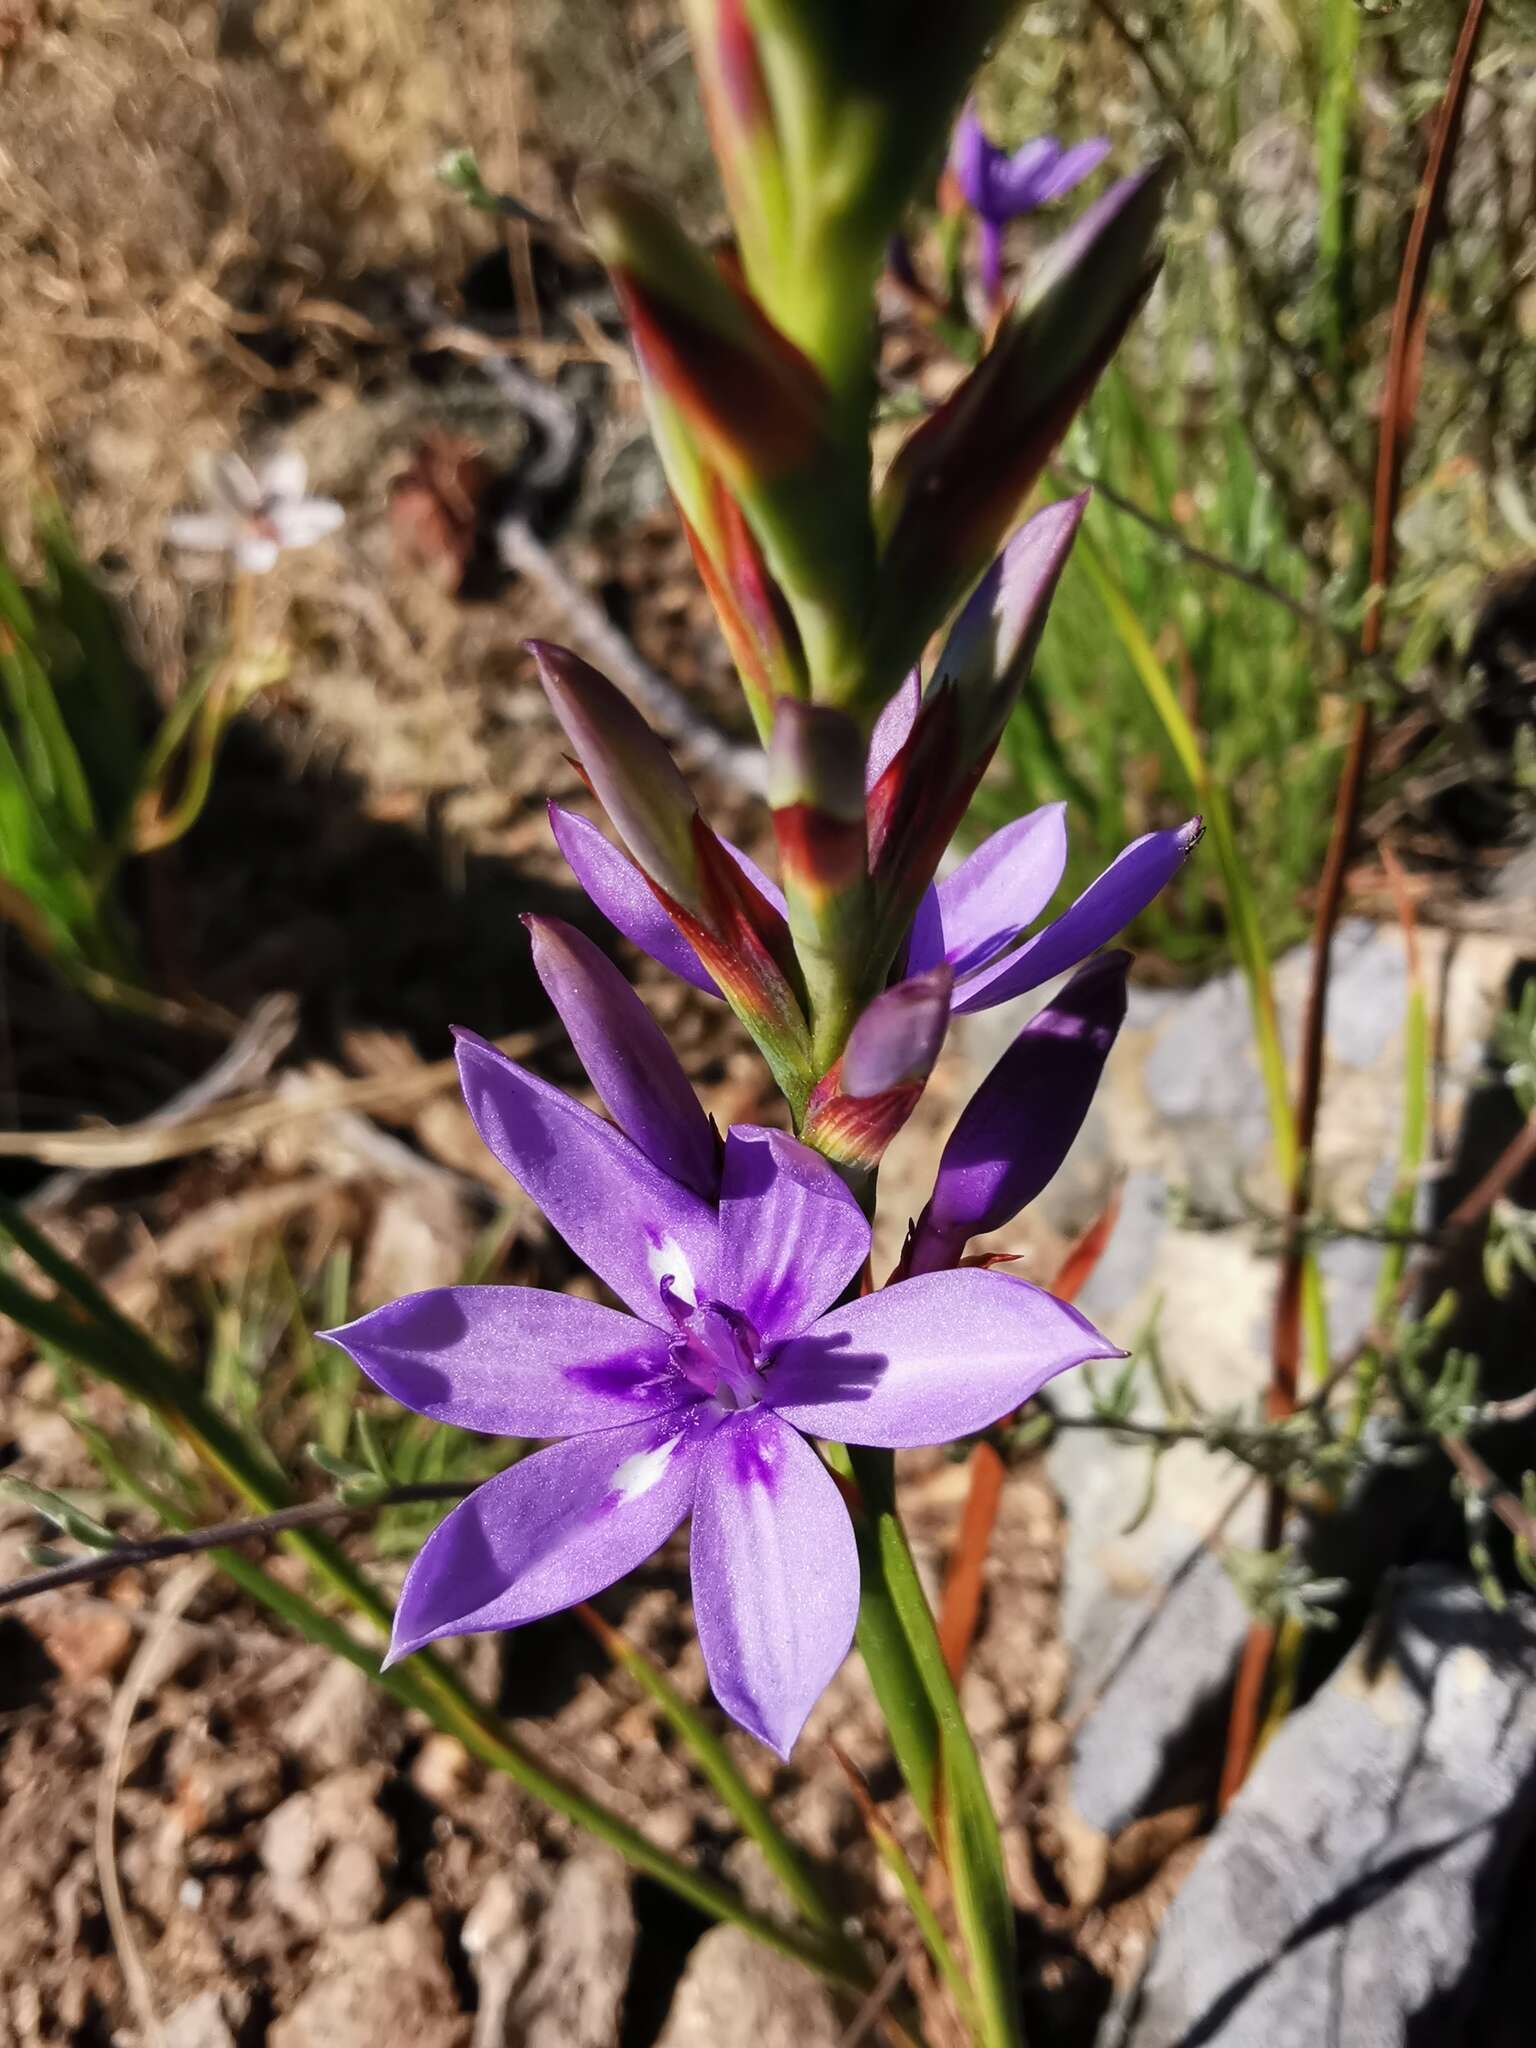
929, 1359
1014, 1133
1014, 180
623, 1216
1000, 889
892, 729
971, 156
627, 1055
256, 554
552, 1530
1070, 169
775, 1575
215, 532
300, 522
230, 485
791, 1234
514, 1361
625, 897
1105, 908
284, 475
925, 941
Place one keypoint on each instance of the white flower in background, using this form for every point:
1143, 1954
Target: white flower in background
253, 515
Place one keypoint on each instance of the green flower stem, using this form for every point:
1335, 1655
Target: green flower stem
899, 1864
893, 1670
933, 1746
87, 1328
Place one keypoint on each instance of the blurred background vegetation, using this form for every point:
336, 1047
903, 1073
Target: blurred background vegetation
1240, 425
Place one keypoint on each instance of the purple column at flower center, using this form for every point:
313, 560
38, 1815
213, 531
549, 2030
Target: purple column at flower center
716, 1350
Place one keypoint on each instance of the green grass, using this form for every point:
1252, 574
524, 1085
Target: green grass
1248, 670
72, 712
92, 774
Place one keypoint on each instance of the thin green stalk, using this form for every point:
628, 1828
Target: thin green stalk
960, 1808
899, 1864
715, 1762
1413, 1138
898, 1685
1242, 905
115, 1350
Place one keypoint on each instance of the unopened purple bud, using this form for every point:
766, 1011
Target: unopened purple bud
635, 778
1018, 1127
899, 1037
626, 1055
992, 643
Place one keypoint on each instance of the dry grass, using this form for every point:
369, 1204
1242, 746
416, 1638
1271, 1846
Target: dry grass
178, 182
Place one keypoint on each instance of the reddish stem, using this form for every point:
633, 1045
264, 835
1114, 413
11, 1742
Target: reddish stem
1405, 351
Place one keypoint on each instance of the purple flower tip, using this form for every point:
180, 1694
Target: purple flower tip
1001, 184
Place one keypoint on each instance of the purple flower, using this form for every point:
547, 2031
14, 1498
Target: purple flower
700, 1400
974, 919
999, 185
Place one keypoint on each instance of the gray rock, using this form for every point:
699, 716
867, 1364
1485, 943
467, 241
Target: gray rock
1182, 1107
1353, 1890
376, 1987
202, 2022
554, 1975
737, 1994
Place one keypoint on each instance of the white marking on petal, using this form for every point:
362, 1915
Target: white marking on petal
668, 1261
637, 1475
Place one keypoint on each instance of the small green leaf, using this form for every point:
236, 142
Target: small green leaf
65, 1514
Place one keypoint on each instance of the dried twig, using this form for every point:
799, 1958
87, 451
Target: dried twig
263, 1039
106, 1564
143, 1673
243, 1119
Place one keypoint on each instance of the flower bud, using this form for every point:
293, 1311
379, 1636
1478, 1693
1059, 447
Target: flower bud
626, 1054
1018, 1127
632, 774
